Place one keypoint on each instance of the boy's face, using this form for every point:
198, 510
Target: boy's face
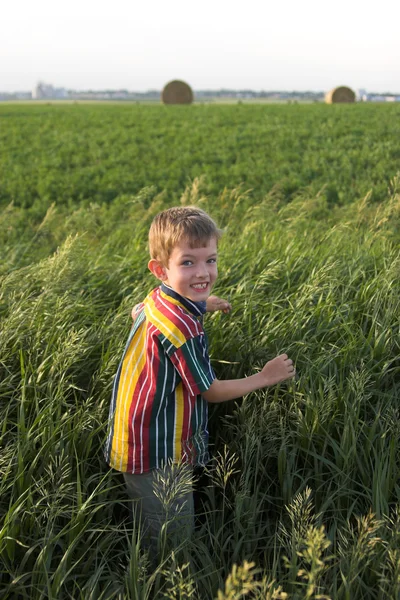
192, 272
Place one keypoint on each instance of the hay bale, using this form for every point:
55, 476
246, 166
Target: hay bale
340, 94
177, 92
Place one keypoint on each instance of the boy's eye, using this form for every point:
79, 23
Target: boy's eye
187, 263
212, 260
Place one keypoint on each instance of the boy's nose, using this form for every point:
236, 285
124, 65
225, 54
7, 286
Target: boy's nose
201, 271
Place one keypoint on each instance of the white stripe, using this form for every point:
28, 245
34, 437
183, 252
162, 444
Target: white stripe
165, 418
156, 320
149, 332
202, 341
204, 428
147, 345
174, 384
159, 408
113, 404
196, 310
192, 351
199, 444
125, 400
182, 373
165, 430
202, 446
174, 428
174, 312
189, 419
111, 415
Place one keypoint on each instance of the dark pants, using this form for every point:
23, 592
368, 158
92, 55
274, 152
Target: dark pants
163, 505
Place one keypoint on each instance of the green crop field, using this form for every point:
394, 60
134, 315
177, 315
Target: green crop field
302, 497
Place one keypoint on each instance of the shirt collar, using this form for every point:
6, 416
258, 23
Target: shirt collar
196, 308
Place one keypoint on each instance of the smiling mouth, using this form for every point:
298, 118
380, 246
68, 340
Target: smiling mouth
200, 286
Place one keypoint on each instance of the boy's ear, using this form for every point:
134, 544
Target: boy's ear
157, 268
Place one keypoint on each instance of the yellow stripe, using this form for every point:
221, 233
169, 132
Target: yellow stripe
178, 422
133, 364
167, 328
172, 300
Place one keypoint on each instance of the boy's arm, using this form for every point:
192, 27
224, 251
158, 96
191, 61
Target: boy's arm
276, 370
214, 303
135, 311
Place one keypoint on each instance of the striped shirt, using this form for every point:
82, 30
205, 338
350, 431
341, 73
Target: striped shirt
157, 412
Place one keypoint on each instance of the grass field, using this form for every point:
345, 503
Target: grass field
302, 497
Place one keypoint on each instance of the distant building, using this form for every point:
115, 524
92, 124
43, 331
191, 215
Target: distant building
45, 91
364, 96
11, 96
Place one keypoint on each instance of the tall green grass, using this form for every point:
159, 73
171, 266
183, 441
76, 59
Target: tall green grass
302, 497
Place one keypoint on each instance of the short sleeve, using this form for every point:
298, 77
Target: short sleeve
192, 362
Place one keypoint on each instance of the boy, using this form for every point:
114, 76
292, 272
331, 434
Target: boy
158, 413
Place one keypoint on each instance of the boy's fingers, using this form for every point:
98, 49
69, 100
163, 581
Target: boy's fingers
224, 305
216, 303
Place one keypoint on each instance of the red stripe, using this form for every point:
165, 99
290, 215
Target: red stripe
152, 355
136, 409
129, 466
186, 428
179, 360
187, 324
145, 395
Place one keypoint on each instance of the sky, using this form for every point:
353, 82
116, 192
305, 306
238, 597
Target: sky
253, 44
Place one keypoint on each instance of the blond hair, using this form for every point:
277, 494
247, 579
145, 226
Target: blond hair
180, 223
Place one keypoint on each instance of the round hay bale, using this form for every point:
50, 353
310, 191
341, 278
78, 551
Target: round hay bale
177, 92
340, 94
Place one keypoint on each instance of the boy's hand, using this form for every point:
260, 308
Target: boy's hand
278, 369
135, 311
214, 303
